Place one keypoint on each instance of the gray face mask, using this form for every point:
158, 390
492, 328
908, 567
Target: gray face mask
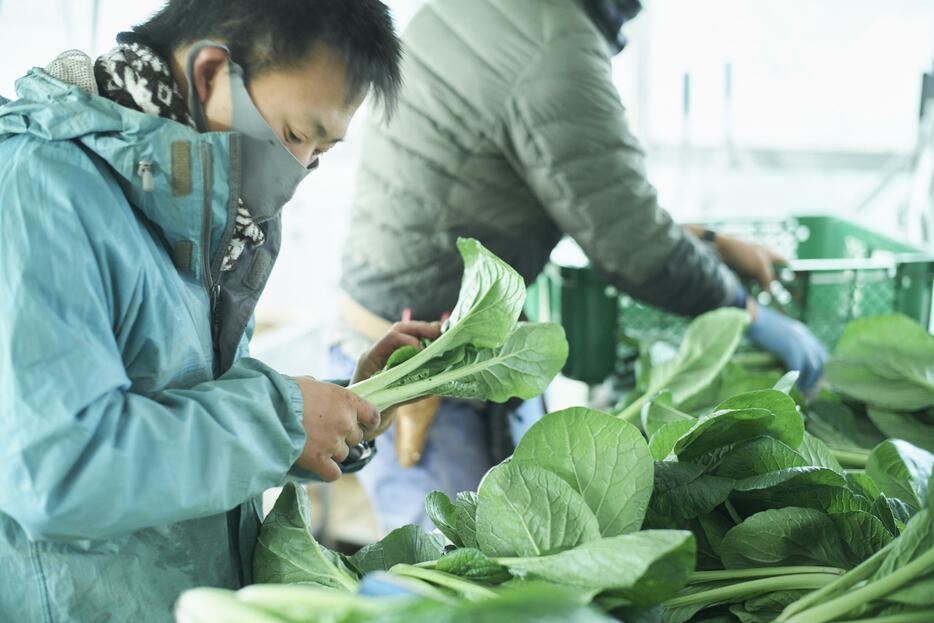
270, 173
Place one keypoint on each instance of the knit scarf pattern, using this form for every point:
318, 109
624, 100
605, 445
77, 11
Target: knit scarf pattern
135, 76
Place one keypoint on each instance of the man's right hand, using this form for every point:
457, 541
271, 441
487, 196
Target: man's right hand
335, 419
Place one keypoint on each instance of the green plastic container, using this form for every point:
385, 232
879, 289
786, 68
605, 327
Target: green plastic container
838, 271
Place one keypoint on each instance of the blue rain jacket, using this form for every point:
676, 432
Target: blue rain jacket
136, 434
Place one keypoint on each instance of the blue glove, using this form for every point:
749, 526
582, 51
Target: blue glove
791, 342
382, 584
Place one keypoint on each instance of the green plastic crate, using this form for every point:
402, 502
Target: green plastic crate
838, 271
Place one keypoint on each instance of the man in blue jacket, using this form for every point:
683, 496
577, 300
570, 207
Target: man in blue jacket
139, 205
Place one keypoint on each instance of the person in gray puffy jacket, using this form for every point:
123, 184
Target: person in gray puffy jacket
511, 131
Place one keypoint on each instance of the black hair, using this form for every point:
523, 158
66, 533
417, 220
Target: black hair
276, 34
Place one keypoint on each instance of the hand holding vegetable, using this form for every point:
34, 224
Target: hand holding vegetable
400, 334
373, 360
335, 419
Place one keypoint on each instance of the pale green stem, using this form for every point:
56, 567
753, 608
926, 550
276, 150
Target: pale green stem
742, 590
762, 572
850, 458
835, 608
852, 577
732, 511
464, 587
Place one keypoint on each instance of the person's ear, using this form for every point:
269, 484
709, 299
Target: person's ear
208, 64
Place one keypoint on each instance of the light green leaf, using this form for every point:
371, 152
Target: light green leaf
663, 441
473, 564
659, 411
465, 517
815, 452
603, 458
836, 425
645, 567
901, 470
524, 510
887, 361
787, 382
707, 346
910, 426
407, 545
287, 552
482, 352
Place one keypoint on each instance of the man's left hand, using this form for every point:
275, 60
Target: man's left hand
407, 333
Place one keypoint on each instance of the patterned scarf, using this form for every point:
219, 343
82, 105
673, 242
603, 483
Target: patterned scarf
135, 76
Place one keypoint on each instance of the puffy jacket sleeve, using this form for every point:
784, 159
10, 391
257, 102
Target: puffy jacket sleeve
82, 455
568, 137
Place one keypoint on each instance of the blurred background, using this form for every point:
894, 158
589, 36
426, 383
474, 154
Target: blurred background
746, 108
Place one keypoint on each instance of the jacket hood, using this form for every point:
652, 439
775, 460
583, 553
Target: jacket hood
179, 179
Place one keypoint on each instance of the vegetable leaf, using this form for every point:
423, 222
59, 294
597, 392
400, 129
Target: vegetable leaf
603, 458
287, 552
408, 544
524, 510
440, 510
886, 361
707, 346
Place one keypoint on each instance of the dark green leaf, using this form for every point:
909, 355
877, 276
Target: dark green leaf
815, 452
684, 491
407, 545
443, 514
787, 427
759, 455
472, 564
837, 425
803, 536
721, 429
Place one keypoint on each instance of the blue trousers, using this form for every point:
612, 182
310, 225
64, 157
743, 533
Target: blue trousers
454, 457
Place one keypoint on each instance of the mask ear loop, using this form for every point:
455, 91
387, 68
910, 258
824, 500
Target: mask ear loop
195, 109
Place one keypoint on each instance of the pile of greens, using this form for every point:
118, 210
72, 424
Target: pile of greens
560, 518
882, 377
737, 501
483, 351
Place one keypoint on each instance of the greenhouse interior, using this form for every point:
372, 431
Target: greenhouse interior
466, 311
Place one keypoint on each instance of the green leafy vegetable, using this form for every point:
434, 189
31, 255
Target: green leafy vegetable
475, 565
887, 361
444, 515
482, 352
901, 470
286, 551
645, 567
524, 510
573, 444
408, 544
707, 346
